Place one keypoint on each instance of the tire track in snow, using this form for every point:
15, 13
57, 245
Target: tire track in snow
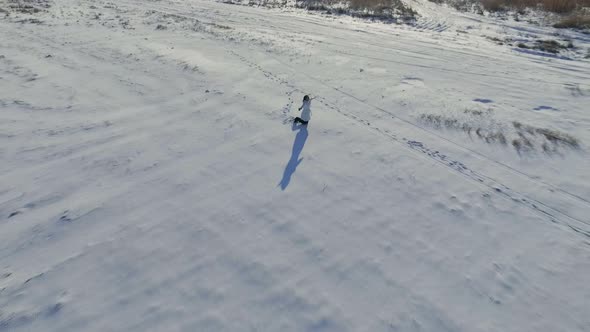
432, 25
480, 155
143, 120
182, 13
555, 215
457, 166
504, 77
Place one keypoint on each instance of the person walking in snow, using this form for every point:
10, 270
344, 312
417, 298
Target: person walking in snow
305, 111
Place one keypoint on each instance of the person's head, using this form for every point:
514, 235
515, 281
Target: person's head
306, 98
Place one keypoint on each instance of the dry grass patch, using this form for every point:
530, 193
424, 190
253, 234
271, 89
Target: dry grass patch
479, 124
372, 9
576, 21
384, 10
549, 46
520, 6
553, 136
26, 6
473, 130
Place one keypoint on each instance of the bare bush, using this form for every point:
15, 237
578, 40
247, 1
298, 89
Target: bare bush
445, 122
553, 138
558, 137
384, 10
493, 5
564, 6
550, 46
27, 6
576, 21
498, 137
374, 9
555, 6
523, 138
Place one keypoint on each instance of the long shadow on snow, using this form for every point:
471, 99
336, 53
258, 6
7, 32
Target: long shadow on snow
298, 144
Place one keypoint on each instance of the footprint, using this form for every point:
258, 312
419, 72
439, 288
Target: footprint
49, 199
415, 144
545, 108
65, 218
14, 214
413, 81
574, 89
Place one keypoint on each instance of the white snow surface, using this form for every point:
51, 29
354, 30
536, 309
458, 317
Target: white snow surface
150, 179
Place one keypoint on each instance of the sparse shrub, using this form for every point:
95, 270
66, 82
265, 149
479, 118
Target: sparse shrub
493, 5
554, 137
433, 120
549, 149
560, 6
467, 128
313, 5
26, 6
474, 112
30, 21
551, 46
479, 133
524, 128
496, 40
558, 137
522, 145
528, 138
519, 6
497, 137
526, 141
517, 145
451, 123
440, 121
577, 21
374, 9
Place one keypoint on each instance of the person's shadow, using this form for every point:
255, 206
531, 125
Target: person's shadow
298, 144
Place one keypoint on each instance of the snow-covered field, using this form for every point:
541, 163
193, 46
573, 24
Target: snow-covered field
150, 179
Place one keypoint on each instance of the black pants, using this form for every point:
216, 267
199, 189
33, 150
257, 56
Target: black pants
299, 120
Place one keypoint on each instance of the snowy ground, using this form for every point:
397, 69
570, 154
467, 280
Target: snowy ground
150, 180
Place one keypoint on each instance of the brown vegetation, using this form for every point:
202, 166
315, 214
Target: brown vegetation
376, 9
551, 46
555, 6
441, 121
576, 21
524, 138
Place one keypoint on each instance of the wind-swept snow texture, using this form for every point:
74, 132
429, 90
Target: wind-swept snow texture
151, 180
